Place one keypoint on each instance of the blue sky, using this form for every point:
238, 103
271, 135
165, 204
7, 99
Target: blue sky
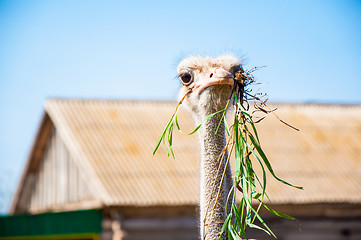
129, 50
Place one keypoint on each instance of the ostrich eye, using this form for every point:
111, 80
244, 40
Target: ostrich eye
186, 78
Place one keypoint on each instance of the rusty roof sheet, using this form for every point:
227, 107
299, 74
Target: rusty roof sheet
113, 142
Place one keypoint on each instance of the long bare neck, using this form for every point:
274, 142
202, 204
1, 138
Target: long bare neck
213, 200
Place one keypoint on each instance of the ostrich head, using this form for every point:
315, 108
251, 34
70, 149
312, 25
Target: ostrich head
211, 81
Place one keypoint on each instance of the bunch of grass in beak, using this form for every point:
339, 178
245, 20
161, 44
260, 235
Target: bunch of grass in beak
244, 142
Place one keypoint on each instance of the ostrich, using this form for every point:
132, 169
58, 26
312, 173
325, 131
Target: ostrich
211, 81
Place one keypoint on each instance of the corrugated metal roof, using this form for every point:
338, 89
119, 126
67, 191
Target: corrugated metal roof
113, 142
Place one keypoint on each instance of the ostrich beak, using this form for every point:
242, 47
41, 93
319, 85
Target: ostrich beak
218, 76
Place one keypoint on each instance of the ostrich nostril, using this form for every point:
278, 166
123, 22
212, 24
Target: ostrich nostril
211, 75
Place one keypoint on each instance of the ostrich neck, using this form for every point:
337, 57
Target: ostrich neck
213, 213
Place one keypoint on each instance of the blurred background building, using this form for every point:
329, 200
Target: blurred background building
91, 175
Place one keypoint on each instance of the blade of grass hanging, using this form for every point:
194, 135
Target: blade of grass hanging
238, 218
205, 119
248, 203
170, 139
264, 223
233, 232
220, 122
258, 227
170, 151
235, 97
223, 116
238, 150
262, 185
242, 210
254, 128
278, 213
170, 124
227, 127
260, 162
176, 123
250, 176
170, 133
257, 211
236, 215
225, 225
158, 144
231, 192
257, 196
162, 137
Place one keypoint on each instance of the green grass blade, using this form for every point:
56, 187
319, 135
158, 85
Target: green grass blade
264, 223
257, 196
225, 225
263, 170
258, 227
162, 137
278, 213
242, 205
205, 119
255, 131
170, 140
237, 217
257, 211
157, 146
176, 122
227, 127
233, 232
223, 117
